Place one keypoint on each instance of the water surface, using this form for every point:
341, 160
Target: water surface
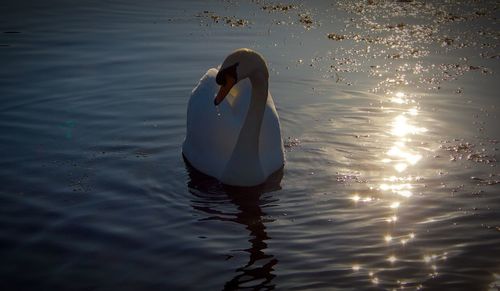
389, 110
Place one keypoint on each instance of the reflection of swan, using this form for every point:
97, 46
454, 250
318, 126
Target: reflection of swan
257, 273
239, 142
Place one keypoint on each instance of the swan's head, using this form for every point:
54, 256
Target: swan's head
240, 64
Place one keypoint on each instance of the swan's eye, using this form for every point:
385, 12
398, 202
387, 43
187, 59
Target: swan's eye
231, 71
221, 79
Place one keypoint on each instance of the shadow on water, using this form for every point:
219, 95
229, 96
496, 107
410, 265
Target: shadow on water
217, 201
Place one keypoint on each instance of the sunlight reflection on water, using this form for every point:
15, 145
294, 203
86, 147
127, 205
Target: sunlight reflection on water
400, 155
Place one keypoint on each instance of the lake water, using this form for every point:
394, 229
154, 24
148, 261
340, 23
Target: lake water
389, 111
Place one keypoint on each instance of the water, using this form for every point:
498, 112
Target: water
389, 112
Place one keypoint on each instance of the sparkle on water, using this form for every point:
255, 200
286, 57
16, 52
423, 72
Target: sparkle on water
392, 259
395, 204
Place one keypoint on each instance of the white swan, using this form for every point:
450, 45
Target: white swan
237, 141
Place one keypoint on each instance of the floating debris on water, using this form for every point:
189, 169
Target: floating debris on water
468, 151
447, 41
306, 20
485, 181
336, 36
291, 143
278, 7
349, 177
228, 20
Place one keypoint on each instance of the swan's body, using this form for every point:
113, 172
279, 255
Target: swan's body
239, 142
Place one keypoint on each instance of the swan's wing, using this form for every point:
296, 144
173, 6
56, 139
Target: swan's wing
270, 141
239, 98
210, 134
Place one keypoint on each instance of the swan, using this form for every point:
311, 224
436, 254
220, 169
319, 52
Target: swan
236, 136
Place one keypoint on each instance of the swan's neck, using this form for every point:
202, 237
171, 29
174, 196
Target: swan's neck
244, 166
250, 131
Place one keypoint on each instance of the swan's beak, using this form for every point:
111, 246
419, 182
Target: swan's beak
224, 90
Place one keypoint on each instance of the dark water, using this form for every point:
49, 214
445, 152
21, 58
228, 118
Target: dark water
390, 114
